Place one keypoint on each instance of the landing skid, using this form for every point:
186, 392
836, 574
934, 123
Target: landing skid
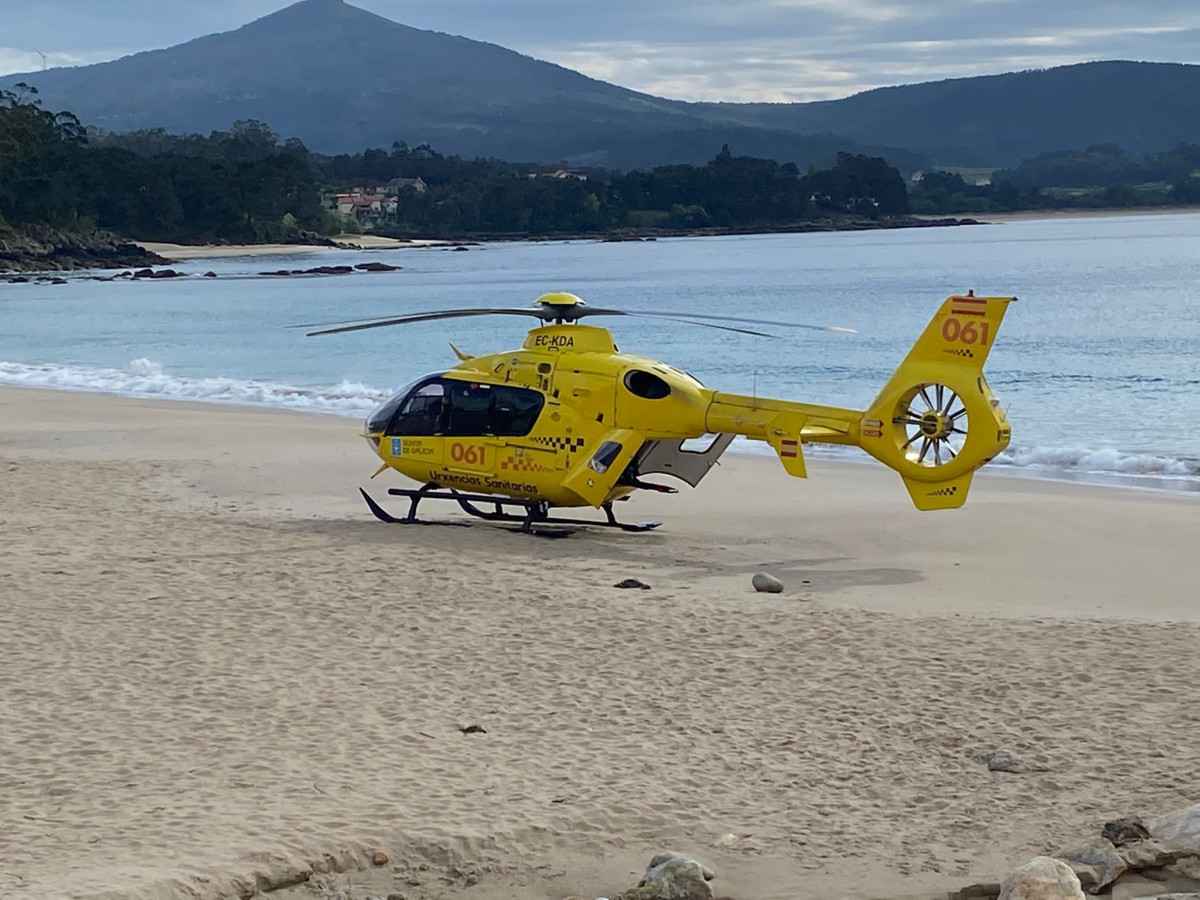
536, 518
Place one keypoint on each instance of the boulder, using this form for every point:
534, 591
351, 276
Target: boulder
1042, 878
674, 878
1181, 829
764, 583
161, 273
1125, 831
1149, 854
1096, 864
668, 855
376, 267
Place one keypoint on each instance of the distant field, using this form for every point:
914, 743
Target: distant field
971, 174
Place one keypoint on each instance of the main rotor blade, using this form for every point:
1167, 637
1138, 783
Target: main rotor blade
690, 322
685, 316
428, 317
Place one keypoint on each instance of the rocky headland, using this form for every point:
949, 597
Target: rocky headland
50, 250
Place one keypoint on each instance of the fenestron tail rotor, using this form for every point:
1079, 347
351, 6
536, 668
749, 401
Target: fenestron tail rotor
563, 308
931, 424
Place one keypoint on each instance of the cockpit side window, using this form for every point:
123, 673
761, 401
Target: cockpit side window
447, 406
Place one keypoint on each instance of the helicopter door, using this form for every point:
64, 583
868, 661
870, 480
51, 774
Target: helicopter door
479, 419
412, 422
678, 458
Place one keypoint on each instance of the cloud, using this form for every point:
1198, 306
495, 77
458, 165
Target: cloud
13, 59
770, 50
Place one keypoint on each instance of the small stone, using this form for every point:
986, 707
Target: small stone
764, 583
981, 891
210, 275
379, 859
1003, 761
632, 583
473, 729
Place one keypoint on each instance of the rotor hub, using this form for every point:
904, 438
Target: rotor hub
935, 424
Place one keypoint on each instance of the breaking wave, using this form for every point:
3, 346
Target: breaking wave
146, 378
1100, 462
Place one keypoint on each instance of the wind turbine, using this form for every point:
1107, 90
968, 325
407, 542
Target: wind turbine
43, 56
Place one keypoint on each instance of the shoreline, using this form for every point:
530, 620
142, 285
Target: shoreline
163, 253
365, 242
1152, 482
1109, 213
376, 242
232, 646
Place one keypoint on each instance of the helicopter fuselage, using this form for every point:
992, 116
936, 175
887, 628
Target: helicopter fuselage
568, 420
520, 423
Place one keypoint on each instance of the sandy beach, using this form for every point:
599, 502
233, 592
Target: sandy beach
219, 669
181, 252
1027, 215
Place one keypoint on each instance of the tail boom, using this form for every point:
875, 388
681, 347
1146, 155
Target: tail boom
935, 421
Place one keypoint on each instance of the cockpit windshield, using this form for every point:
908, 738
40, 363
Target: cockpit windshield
380, 420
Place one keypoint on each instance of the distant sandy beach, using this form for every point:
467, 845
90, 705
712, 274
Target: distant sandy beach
219, 670
1031, 214
182, 252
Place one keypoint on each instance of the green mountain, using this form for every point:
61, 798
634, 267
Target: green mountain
1142, 107
342, 79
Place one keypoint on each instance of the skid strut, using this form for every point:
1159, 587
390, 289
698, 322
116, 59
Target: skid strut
533, 512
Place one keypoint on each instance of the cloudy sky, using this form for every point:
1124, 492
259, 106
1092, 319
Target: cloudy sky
775, 50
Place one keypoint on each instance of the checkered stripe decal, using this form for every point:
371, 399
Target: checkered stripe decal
521, 464
560, 443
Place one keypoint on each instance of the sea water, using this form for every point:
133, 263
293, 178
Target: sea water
1097, 364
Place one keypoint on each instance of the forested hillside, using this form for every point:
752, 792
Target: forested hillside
243, 185
341, 79
998, 120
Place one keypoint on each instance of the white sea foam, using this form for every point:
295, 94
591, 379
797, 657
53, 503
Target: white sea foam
147, 378
1042, 460
1105, 460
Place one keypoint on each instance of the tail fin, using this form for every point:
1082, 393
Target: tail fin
936, 420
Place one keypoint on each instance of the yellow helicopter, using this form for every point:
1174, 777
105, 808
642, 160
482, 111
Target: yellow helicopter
569, 421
